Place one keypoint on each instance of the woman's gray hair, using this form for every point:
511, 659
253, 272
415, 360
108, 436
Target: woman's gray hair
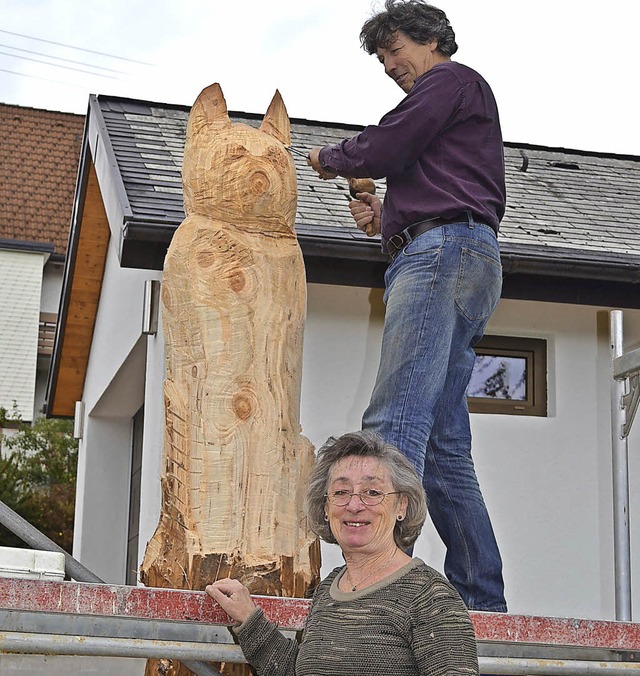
416, 19
401, 472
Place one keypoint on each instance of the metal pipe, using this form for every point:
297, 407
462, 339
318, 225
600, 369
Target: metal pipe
514, 666
37, 540
102, 646
620, 466
184, 651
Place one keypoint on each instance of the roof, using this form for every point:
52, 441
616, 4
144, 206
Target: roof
39, 153
578, 211
571, 232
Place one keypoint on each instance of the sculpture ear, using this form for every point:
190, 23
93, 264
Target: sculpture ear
209, 108
276, 120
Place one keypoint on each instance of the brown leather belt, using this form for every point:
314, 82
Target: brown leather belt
397, 242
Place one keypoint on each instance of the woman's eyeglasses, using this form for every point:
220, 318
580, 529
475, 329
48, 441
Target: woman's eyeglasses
369, 498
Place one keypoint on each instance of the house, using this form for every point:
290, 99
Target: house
39, 152
570, 245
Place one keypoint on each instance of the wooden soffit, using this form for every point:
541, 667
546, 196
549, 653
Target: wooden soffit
76, 331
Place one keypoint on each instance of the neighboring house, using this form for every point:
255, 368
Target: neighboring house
571, 251
39, 152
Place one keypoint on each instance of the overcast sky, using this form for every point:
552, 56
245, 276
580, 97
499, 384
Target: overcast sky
565, 72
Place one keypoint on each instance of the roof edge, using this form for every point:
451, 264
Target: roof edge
578, 264
232, 113
26, 245
548, 262
69, 266
571, 151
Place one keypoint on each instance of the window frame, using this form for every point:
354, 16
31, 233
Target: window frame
534, 352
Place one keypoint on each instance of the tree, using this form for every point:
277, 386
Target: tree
38, 476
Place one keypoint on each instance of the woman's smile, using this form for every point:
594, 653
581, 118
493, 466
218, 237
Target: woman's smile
359, 527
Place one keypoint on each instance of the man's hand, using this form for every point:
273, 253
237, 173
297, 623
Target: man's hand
366, 212
313, 160
233, 597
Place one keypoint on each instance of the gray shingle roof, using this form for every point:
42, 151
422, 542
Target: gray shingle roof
572, 200
564, 207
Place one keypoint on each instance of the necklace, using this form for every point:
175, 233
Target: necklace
354, 587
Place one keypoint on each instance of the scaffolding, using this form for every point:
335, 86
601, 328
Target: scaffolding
72, 618
90, 618
625, 393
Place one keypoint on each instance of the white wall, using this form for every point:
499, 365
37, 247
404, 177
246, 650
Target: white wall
102, 498
546, 481
114, 391
153, 441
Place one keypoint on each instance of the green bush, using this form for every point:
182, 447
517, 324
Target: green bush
38, 476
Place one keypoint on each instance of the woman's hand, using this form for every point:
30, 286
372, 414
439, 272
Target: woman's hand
366, 212
233, 597
313, 160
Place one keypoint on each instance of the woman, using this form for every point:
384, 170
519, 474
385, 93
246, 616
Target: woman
381, 613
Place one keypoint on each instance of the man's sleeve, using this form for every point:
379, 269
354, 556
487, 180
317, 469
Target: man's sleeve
403, 134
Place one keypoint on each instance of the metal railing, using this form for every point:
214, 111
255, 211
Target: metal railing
625, 392
75, 570
70, 618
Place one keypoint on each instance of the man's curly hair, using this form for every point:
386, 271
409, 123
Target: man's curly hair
417, 20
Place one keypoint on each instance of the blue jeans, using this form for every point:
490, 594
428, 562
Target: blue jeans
440, 291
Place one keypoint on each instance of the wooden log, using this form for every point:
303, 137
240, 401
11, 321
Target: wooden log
233, 312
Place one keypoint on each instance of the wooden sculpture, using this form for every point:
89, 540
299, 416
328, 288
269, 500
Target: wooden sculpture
233, 310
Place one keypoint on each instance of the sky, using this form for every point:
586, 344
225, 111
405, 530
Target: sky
564, 72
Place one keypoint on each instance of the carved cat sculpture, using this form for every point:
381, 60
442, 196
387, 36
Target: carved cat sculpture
233, 312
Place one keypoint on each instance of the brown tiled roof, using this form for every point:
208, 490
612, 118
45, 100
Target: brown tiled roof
39, 154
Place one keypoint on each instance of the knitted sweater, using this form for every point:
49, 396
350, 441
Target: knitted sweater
412, 622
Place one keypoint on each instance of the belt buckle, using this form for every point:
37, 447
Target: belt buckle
400, 239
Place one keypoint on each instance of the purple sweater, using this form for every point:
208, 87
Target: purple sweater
440, 150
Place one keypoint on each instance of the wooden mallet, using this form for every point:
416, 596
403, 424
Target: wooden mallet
357, 185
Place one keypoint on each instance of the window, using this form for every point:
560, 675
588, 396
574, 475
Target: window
509, 376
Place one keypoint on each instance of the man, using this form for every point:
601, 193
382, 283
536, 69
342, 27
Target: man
441, 152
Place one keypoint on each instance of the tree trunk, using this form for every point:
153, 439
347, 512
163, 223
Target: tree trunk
233, 310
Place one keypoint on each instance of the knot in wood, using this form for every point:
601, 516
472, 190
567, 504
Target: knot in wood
237, 280
259, 183
166, 297
243, 405
206, 258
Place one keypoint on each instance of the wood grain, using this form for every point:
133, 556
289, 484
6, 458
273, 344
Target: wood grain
233, 310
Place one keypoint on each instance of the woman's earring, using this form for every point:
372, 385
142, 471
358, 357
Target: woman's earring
326, 517
400, 517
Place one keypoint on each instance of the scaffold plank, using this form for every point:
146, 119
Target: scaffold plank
195, 606
139, 602
565, 631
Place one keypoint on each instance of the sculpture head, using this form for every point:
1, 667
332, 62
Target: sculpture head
237, 173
